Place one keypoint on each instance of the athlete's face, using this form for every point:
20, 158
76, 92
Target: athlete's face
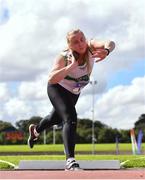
77, 42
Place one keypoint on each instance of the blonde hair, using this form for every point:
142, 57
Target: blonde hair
68, 36
73, 32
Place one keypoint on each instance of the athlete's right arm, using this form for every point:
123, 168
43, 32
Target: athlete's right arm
60, 70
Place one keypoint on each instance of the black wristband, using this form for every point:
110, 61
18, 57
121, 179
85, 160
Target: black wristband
108, 51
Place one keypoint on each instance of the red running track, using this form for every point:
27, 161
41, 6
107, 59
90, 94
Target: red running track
95, 174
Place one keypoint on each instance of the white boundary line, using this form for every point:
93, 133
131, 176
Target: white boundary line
9, 163
131, 160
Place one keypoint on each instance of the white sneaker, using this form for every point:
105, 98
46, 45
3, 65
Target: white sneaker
72, 166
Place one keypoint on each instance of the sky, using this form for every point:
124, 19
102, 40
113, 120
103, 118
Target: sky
33, 33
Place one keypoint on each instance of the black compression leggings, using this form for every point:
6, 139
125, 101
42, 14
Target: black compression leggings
64, 112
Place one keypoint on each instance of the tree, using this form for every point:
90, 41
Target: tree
8, 133
23, 125
107, 135
140, 123
124, 136
6, 126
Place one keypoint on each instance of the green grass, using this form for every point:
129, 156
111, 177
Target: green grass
134, 160
59, 147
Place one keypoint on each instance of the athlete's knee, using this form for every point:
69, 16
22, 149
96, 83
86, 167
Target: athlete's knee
71, 119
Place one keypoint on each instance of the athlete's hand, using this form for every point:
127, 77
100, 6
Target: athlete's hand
72, 62
99, 54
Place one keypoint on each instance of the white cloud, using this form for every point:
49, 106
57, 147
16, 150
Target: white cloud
17, 109
29, 99
122, 105
35, 33
4, 92
33, 36
36, 90
118, 107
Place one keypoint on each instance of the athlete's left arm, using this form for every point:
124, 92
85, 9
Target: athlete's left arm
101, 49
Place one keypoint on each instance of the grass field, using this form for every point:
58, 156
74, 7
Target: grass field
134, 160
59, 147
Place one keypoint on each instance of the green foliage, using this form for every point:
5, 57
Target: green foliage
83, 136
124, 136
103, 133
6, 125
140, 125
84, 123
108, 147
23, 125
107, 135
